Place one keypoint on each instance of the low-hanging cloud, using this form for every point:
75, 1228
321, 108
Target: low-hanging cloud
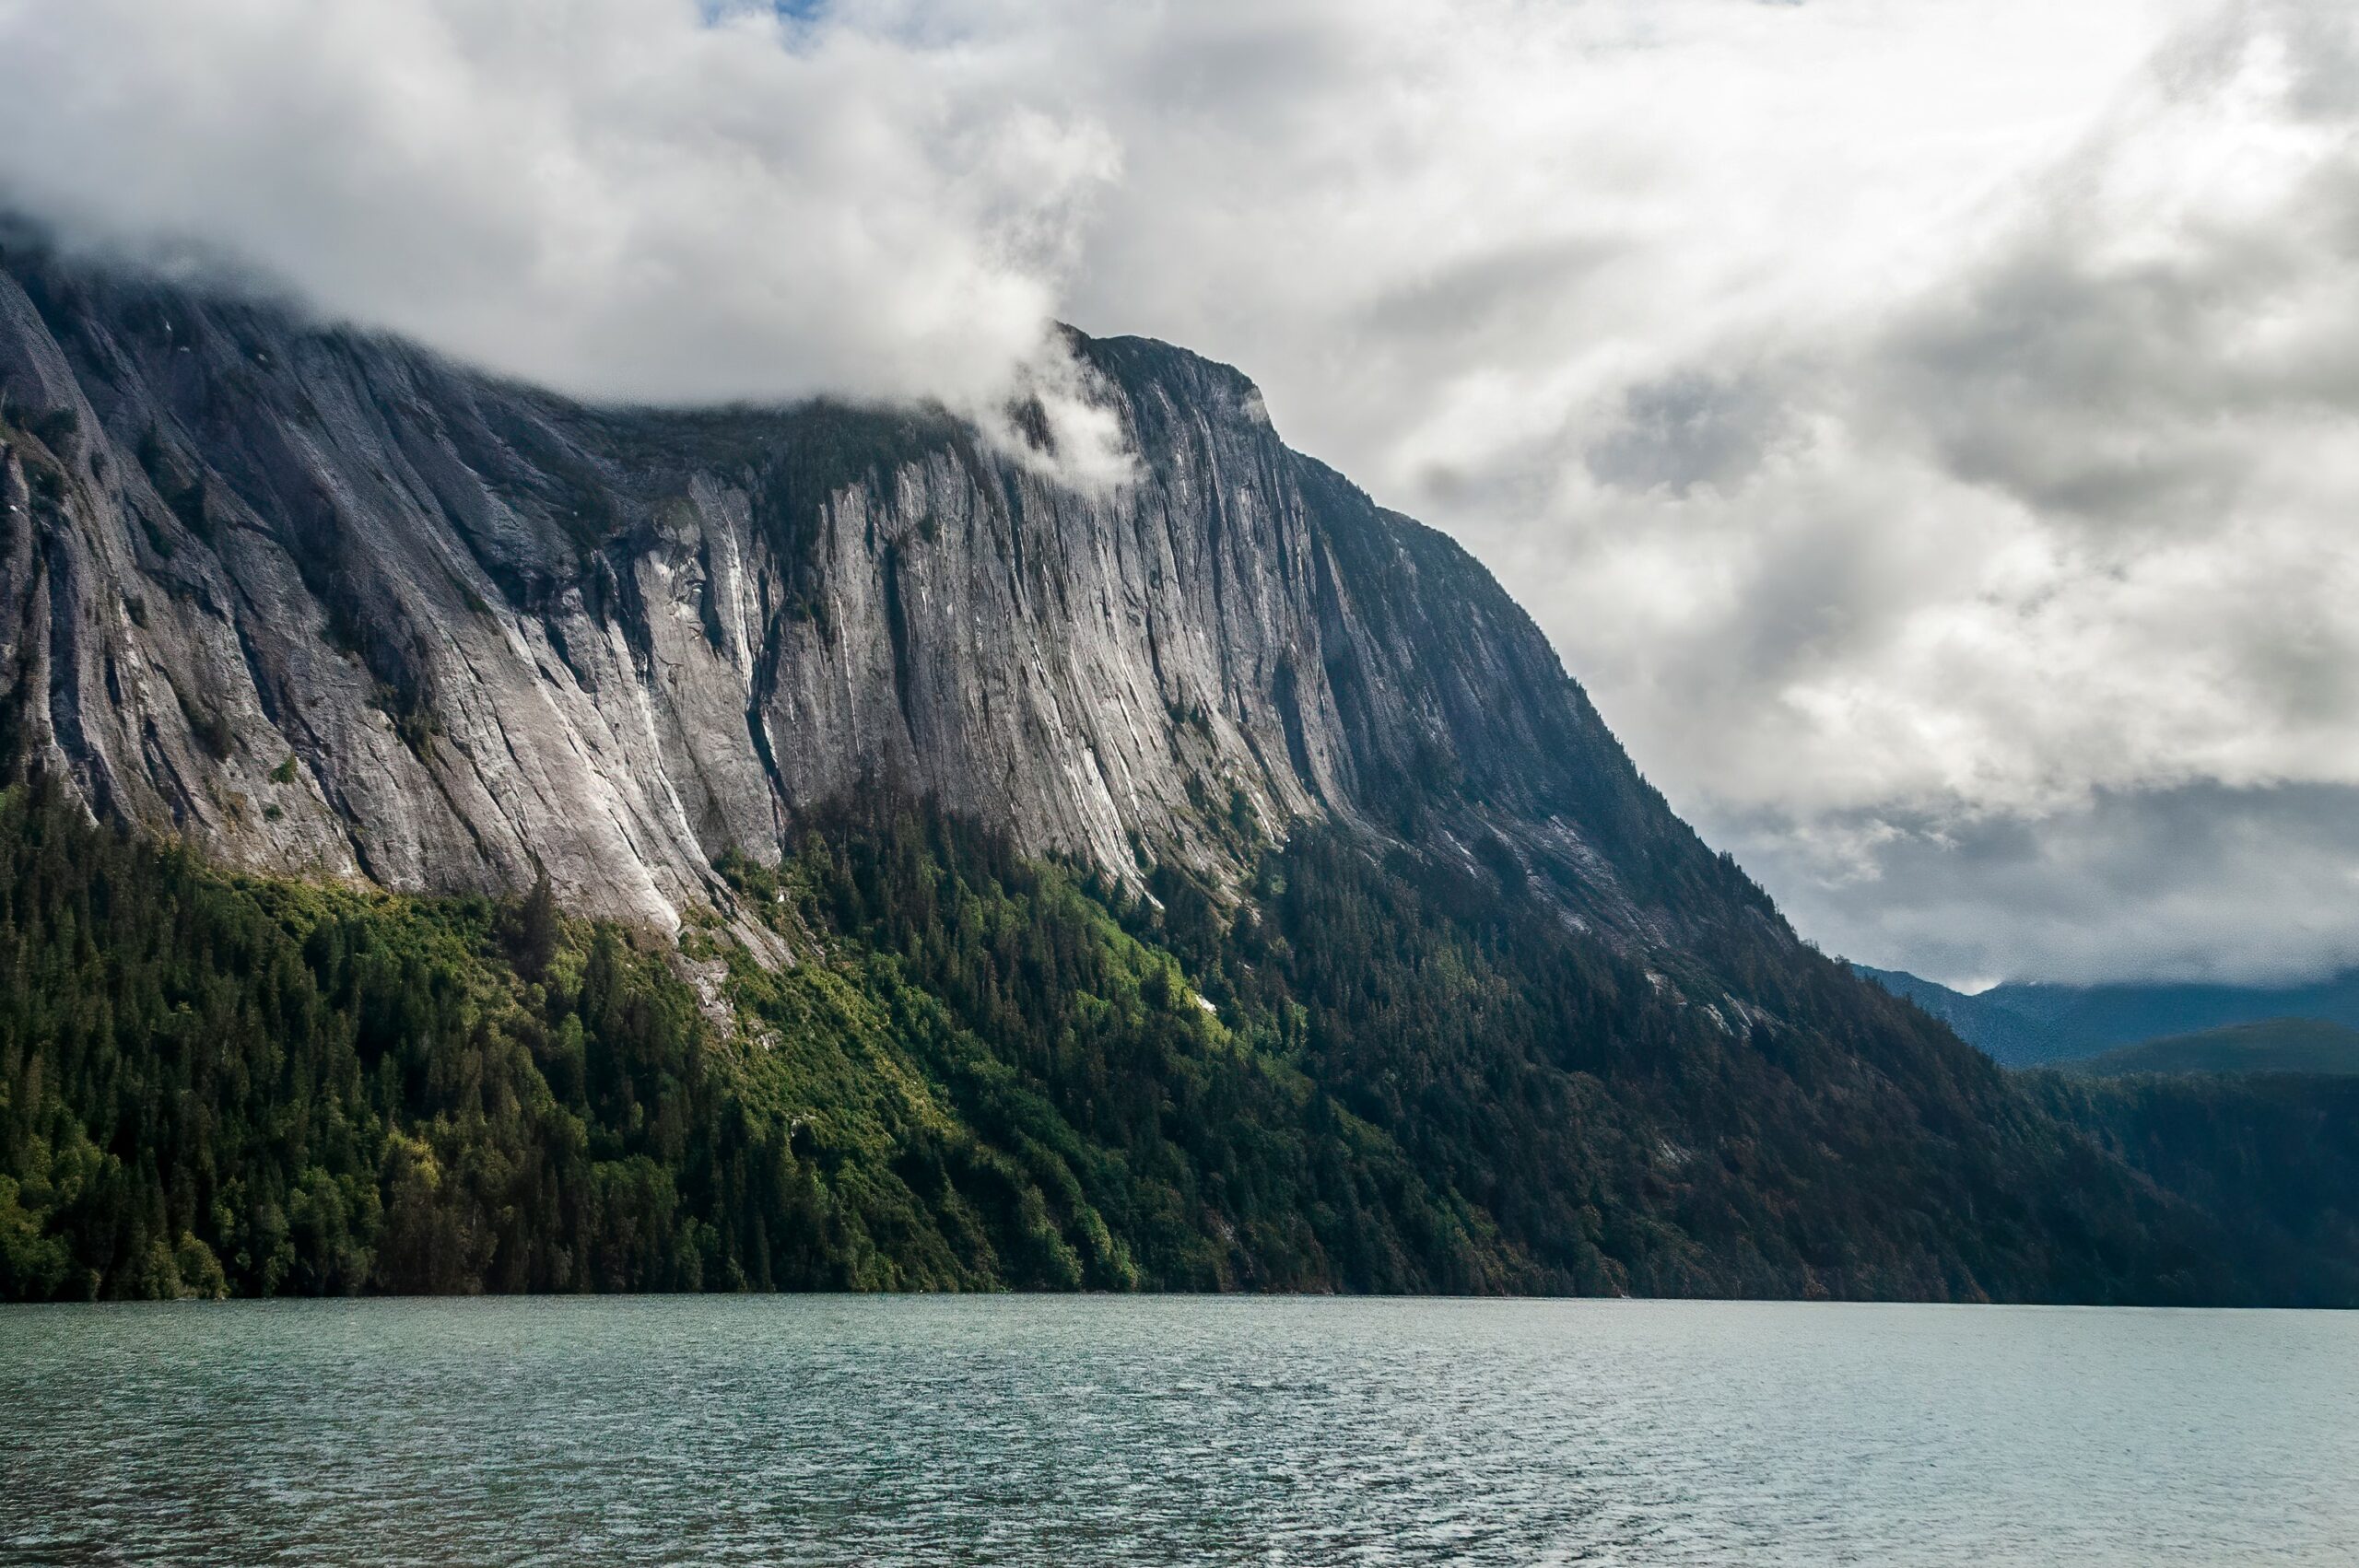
652, 200
1929, 427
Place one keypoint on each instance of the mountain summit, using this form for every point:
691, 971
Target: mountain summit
488, 631
577, 847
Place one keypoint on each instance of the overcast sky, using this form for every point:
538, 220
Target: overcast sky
1930, 428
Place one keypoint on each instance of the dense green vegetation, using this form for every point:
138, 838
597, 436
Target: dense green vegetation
2275, 1045
211, 1085
2273, 1158
989, 1072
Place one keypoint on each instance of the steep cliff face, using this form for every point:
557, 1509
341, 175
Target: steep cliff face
319, 605
324, 604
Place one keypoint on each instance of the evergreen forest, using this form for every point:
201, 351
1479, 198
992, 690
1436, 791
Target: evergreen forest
1366, 1073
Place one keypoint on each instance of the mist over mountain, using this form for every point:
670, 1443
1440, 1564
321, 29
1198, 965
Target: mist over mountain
467, 838
482, 630
1921, 427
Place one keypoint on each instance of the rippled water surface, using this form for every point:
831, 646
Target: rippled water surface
1061, 1431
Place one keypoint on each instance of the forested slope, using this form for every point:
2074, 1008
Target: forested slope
2275, 1157
1240, 895
997, 1072
2309, 1045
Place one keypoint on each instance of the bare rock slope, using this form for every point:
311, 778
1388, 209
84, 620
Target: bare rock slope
324, 604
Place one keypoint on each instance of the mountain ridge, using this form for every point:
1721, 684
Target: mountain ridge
492, 631
2273, 1044
1210, 880
2027, 1024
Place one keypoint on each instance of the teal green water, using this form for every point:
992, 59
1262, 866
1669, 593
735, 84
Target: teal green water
1060, 1431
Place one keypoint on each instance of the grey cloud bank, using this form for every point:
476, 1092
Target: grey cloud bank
1930, 429
628, 199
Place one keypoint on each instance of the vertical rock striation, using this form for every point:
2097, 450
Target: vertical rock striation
323, 603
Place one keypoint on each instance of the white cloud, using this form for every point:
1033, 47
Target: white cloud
1928, 425
623, 198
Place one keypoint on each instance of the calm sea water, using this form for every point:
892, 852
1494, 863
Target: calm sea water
1071, 1432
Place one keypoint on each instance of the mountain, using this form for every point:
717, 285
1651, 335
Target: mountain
480, 630
2276, 1045
2270, 1157
2031, 1025
2013, 1037
464, 839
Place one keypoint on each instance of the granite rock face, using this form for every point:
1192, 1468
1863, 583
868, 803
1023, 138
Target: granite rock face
321, 604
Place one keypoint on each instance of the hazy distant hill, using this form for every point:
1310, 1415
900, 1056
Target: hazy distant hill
1981, 1021
2276, 1045
2027, 1025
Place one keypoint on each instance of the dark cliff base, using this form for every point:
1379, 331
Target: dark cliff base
1000, 1074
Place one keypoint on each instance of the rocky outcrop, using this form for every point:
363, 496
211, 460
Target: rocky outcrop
323, 603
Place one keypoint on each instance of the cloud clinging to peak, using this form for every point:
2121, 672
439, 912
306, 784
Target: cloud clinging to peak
640, 199
1930, 428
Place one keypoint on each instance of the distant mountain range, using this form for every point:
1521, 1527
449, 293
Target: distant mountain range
2035, 1025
